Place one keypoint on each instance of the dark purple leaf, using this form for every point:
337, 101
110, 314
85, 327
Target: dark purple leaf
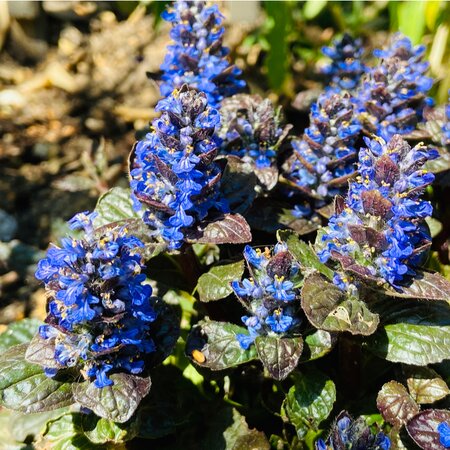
226, 229
117, 402
367, 235
279, 355
328, 308
386, 170
424, 285
375, 204
423, 428
395, 404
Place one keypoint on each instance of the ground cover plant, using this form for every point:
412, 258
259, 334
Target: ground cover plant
252, 283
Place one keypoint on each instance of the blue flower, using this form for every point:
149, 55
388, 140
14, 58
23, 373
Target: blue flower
173, 174
444, 434
100, 310
279, 322
197, 57
271, 296
346, 67
380, 227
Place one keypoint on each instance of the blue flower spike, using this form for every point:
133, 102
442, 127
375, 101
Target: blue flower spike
196, 56
174, 178
391, 99
326, 156
100, 308
346, 67
380, 228
271, 295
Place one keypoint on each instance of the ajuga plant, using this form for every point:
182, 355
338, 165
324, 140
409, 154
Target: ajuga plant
392, 97
173, 171
197, 57
261, 346
103, 332
325, 157
174, 178
378, 229
387, 99
270, 295
346, 67
100, 309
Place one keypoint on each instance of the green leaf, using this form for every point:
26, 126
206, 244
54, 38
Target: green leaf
423, 428
411, 19
424, 285
317, 344
214, 345
113, 206
279, 355
65, 433
413, 333
226, 229
277, 60
17, 429
329, 308
395, 404
19, 333
101, 431
312, 8
42, 352
117, 402
22, 426
229, 430
425, 385
215, 284
303, 253
309, 402
24, 386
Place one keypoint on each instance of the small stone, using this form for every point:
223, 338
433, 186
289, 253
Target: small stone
8, 226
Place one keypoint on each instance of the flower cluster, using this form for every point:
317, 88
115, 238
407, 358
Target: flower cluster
100, 309
392, 97
271, 295
346, 67
173, 172
349, 433
197, 56
380, 226
251, 129
325, 157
